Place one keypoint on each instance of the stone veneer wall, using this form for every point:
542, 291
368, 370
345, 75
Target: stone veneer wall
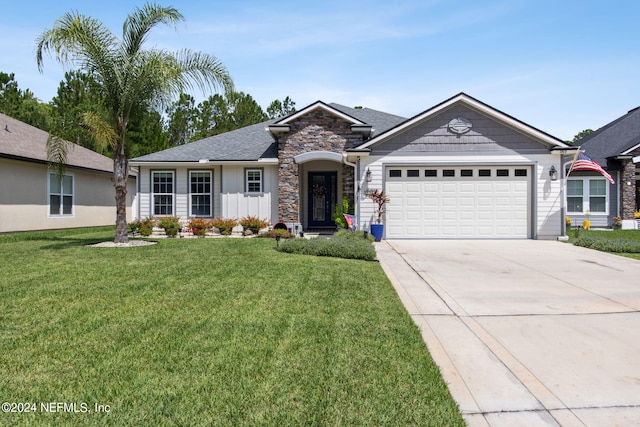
316, 131
628, 193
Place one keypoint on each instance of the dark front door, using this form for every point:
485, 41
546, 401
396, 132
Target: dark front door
322, 198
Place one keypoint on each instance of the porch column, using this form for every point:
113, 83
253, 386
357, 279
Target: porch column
628, 189
288, 190
348, 189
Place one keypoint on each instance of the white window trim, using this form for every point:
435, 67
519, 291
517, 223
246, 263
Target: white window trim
73, 195
210, 194
246, 180
586, 185
173, 195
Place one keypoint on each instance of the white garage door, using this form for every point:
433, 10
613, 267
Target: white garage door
458, 202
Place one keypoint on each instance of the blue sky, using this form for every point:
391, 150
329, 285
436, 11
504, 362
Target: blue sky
561, 66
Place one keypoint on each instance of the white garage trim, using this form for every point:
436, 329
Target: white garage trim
460, 201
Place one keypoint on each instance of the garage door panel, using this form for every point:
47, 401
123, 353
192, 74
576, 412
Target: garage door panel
413, 187
394, 187
413, 215
459, 207
412, 202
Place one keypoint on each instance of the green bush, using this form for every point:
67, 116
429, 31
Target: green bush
171, 224
342, 245
608, 245
284, 234
146, 226
342, 208
353, 235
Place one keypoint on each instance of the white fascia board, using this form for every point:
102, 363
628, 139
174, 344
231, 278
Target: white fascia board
270, 161
630, 150
204, 164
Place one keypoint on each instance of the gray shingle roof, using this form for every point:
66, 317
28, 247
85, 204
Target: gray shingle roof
249, 143
613, 138
380, 121
22, 141
254, 142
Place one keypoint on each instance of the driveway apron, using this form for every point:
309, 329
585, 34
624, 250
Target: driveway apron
526, 332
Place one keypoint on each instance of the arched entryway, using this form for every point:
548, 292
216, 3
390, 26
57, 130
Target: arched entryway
324, 181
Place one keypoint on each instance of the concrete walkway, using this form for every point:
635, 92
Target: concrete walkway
526, 333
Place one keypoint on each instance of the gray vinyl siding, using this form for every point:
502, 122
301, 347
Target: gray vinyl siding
486, 135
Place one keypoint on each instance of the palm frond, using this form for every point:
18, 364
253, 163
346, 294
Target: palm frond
204, 70
57, 152
103, 131
141, 21
78, 40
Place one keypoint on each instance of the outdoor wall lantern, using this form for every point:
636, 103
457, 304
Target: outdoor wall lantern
553, 173
368, 175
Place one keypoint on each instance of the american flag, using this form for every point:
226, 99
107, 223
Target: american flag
585, 163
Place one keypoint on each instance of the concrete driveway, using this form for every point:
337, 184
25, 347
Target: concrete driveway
526, 332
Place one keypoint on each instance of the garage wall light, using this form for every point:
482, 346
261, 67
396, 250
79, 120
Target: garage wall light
368, 175
553, 173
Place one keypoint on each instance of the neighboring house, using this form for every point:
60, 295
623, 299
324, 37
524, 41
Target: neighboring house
616, 147
34, 197
461, 169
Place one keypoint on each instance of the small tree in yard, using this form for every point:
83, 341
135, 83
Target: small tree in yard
130, 78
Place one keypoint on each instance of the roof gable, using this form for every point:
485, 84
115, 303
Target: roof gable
319, 105
463, 99
619, 137
22, 141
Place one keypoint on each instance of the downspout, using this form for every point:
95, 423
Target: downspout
138, 195
563, 199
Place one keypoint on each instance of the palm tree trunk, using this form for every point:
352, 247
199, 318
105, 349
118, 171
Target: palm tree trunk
120, 178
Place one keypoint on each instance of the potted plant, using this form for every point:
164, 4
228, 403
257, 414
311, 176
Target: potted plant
198, 226
224, 225
379, 199
253, 223
617, 222
586, 222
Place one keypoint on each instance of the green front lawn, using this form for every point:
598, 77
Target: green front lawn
206, 332
611, 237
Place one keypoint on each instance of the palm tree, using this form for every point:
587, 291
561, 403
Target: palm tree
130, 77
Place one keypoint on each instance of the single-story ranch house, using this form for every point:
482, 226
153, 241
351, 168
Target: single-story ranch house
616, 147
34, 197
461, 169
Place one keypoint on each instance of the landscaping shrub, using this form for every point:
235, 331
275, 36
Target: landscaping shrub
342, 245
146, 226
284, 234
171, 224
224, 225
353, 235
198, 226
608, 245
253, 223
342, 208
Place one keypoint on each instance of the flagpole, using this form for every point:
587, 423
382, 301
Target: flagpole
573, 162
